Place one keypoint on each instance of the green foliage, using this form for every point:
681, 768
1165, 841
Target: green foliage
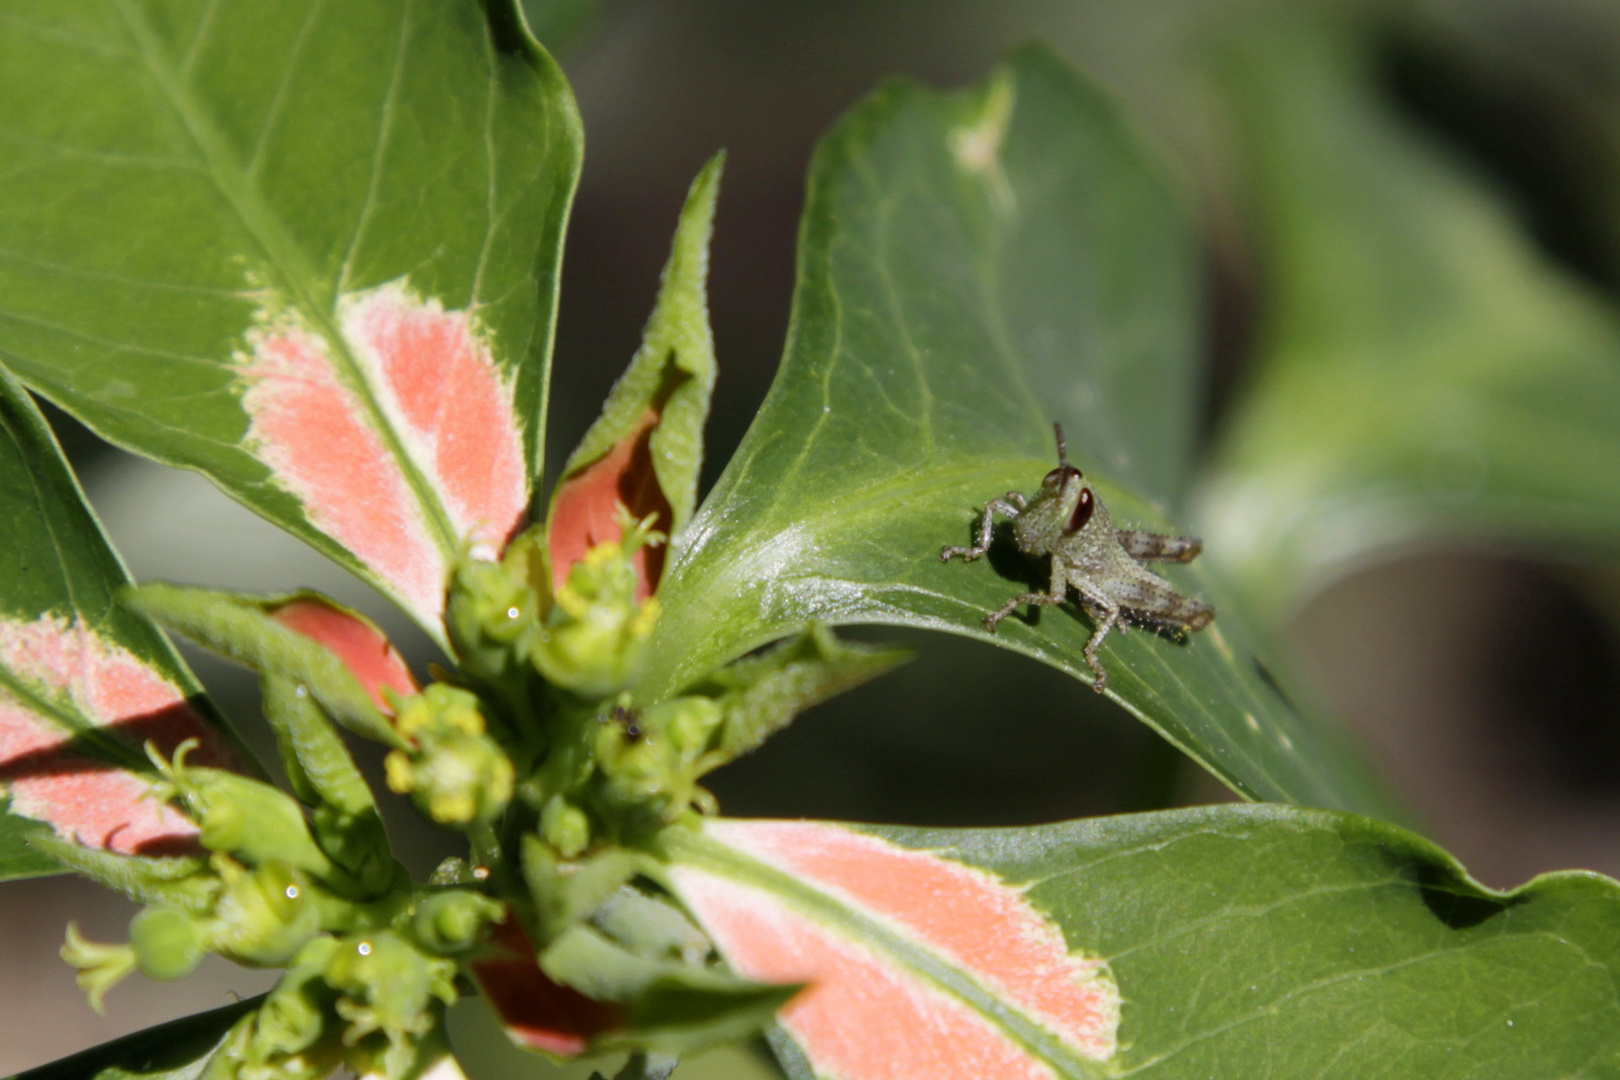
178, 1050
191, 170
59, 573
1425, 371
1298, 942
201, 190
972, 267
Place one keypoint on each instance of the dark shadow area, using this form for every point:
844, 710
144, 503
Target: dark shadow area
964, 735
1457, 909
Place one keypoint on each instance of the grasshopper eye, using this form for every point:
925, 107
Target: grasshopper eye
1061, 474
1082, 511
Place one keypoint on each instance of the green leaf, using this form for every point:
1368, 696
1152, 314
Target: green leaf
972, 267
245, 629
308, 249
1425, 372
174, 1051
84, 683
645, 450
668, 1005
1265, 941
760, 695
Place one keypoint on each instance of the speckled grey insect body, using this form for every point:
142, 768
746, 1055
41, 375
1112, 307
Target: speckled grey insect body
1067, 521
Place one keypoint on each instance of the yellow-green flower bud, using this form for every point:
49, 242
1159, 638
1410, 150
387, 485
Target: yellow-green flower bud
565, 826
294, 1014
264, 916
240, 816
455, 774
388, 985
455, 920
595, 636
168, 944
488, 612
650, 759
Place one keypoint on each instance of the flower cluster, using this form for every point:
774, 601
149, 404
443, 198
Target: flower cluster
537, 746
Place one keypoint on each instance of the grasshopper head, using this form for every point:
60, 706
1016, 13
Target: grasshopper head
1066, 486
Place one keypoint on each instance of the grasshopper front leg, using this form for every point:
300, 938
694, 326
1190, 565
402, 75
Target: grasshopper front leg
1057, 592
1010, 507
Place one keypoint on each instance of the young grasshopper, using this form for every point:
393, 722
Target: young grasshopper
1068, 522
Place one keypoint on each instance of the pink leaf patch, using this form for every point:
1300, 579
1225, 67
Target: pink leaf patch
585, 511
87, 800
867, 1016
363, 648
440, 387
432, 380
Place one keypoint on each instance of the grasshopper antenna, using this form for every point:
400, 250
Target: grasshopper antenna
1063, 445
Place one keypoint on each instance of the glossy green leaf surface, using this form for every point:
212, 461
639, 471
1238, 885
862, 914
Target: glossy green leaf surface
1262, 941
178, 1050
83, 682
271, 242
1426, 373
972, 267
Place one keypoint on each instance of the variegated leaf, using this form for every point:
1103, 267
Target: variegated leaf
1259, 941
84, 684
324, 275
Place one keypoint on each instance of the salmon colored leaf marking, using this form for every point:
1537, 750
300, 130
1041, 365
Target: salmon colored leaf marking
364, 649
311, 430
860, 1007
87, 800
440, 387
861, 1018
980, 922
538, 1014
586, 509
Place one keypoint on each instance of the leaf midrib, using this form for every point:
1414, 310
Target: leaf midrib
287, 259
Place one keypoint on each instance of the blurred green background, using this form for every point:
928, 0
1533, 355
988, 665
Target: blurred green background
1471, 642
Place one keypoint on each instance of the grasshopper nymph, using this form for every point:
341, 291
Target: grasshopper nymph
1067, 521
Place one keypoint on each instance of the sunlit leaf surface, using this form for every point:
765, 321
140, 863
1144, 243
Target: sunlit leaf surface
972, 267
1265, 941
309, 249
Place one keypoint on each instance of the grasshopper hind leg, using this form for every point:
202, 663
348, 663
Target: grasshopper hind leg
1153, 547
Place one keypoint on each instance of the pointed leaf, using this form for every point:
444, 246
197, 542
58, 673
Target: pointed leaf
83, 682
973, 266
178, 1050
667, 1005
1424, 370
760, 695
646, 449
308, 249
354, 639
251, 631
537, 1013
1263, 939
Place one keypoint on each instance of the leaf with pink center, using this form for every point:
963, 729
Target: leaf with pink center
645, 450
347, 323
917, 965
1212, 941
84, 684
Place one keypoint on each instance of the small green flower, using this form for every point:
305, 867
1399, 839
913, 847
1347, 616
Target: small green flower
595, 635
455, 773
101, 967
